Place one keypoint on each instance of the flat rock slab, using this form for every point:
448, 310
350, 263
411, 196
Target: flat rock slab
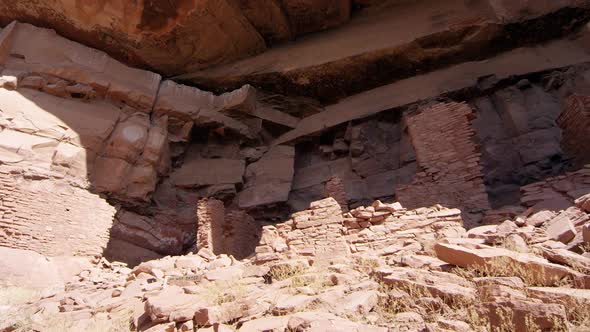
200, 172
517, 62
447, 286
567, 296
269, 179
489, 258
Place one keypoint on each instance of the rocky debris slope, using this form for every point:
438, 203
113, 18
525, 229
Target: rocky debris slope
426, 274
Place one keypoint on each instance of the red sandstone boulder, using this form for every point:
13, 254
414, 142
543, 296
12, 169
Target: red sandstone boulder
361, 302
446, 286
561, 229
571, 298
566, 257
504, 261
172, 304
583, 203
539, 218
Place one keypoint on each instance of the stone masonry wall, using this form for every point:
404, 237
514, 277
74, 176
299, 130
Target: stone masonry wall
449, 159
210, 218
335, 188
575, 123
51, 217
316, 231
225, 231
384, 229
241, 233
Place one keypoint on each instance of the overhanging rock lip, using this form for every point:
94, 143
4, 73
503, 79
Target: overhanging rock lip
557, 54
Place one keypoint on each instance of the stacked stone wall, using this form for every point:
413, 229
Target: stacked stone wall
386, 229
241, 234
210, 219
575, 124
449, 159
336, 189
52, 217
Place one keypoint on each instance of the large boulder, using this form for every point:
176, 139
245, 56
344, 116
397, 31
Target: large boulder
446, 286
172, 305
502, 261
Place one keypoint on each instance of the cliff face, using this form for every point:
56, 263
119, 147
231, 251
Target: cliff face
174, 36
360, 177
185, 36
406, 115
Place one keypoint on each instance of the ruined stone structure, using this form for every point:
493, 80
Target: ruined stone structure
313, 232
575, 123
210, 222
335, 188
52, 217
201, 164
414, 117
323, 231
386, 229
241, 233
449, 160
225, 231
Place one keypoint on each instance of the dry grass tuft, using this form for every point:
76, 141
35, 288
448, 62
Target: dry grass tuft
317, 282
366, 264
579, 315
220, 292
283, 272
395, 299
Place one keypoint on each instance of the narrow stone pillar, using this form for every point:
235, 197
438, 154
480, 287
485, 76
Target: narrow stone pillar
210, 219
335, 188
